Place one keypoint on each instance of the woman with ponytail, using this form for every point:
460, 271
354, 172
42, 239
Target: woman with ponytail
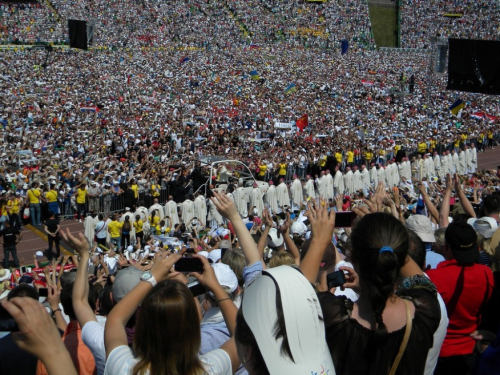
365, 337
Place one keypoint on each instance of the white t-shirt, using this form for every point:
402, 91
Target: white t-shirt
121, 361
93, 337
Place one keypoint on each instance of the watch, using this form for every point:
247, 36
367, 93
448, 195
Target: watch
148, 277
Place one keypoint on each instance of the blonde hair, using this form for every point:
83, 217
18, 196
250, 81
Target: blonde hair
281, 258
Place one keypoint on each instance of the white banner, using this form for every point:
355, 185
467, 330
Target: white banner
284, 125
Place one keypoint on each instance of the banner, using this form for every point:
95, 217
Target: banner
284, 125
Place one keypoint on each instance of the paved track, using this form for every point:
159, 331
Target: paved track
34, 239
489, 159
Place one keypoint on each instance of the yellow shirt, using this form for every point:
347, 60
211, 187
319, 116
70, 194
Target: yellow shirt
262, 170
80, 196
155, 192
463, 137
338, 156
282, 171
368, 155
322, 161
34, 196
398, 147
138, 226
14, 205
422, 147
135, 188
114, 228
350, 156
457, 142
4, 211
154, 221
51, 196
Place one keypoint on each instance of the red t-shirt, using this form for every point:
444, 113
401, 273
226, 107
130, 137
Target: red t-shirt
465, 290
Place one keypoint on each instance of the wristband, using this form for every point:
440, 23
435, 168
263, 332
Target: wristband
54, 312
223, 299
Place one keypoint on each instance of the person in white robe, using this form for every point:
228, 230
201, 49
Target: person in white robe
437, 165
338, 182
297, 194
381, 175
319, 183
256, 201
365, 179
214, 217
187, 210
455, 166
373, 175
462, 164
309, 188
240, 200
322, 185
159, 208
329, 192
432, 170
143, 212
349, 188
426, 172
200, 208
171, 211
473, 158
89, 224
282, 194
271, 198
356, 179
407, 168
108, 235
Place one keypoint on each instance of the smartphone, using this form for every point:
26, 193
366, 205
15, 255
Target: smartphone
43, 292
335, 279
189, 265
344, 219
223, 252
7, 322
196, 288
23, 270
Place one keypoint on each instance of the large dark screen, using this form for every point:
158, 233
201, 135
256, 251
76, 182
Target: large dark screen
474, 66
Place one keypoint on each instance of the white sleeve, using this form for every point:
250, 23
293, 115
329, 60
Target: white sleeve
93, 337
217, 362
120, 361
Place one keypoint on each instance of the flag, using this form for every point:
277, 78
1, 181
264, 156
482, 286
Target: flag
477, 115
290, 88
254, 46
344, 46
269, 56
215, 78
89, 109
302, 123
254, 75
183, 60
365, 82
456, 107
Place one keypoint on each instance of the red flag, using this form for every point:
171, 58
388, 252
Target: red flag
302, 123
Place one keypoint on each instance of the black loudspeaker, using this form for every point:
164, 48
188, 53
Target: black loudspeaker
442, 51
77, 34
473, 66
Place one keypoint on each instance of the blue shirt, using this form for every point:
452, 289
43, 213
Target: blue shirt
431, 258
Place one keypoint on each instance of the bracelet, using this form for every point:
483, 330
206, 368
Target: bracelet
54, 312
223, 299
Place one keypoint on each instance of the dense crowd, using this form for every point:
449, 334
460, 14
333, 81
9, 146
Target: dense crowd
421, 21
326, 211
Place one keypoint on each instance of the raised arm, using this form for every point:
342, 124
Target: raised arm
322, 225
428, 203
290, 245
445, 204
464, 201
226, 208
83, 311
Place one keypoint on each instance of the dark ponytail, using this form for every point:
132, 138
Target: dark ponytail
379, 249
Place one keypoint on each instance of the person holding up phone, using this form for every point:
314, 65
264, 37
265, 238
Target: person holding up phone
168, 300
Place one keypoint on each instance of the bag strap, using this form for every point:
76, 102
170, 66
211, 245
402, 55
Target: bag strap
406, 338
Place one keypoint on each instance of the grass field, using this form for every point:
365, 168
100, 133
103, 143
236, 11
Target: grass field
384, 24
